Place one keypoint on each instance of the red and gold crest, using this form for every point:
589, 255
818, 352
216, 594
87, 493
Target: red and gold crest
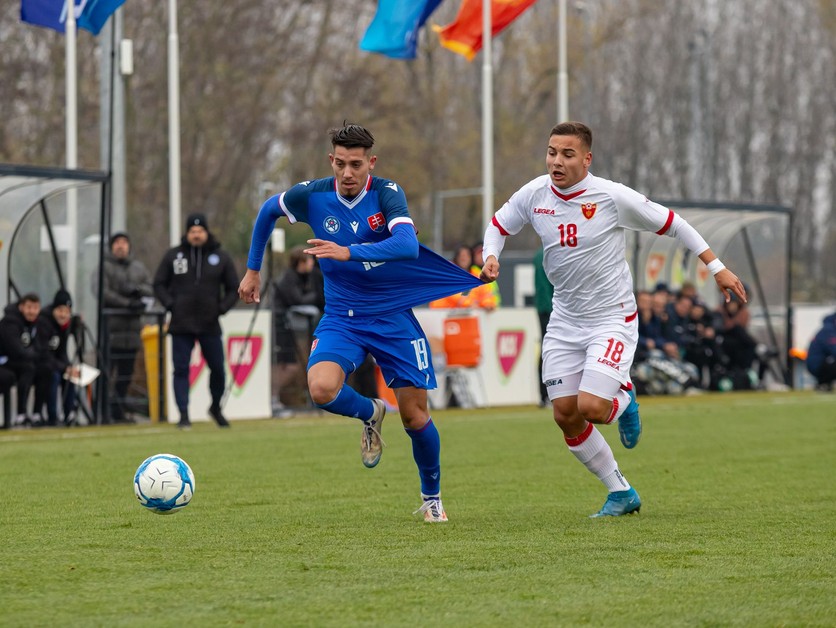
588, 209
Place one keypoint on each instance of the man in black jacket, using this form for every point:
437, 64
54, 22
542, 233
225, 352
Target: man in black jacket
197, 282
126, 282
19, 353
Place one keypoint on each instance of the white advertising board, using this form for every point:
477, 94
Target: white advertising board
247, 366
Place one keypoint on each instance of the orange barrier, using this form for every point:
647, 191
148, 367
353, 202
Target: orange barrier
384, 392
462, 341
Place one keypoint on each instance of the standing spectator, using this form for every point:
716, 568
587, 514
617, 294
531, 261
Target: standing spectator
126, 281
18, 331
821, 356
298, 301
54, 328
543, 295
197, 282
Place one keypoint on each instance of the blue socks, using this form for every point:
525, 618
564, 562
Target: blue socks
426, 449
349, 402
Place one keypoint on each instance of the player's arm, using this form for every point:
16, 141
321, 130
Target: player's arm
250, 287
493, 243
638, 212
402, 244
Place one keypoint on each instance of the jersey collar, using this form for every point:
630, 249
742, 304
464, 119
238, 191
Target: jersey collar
567, 194
352, 203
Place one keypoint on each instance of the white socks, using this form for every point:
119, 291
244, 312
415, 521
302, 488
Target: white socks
595, 454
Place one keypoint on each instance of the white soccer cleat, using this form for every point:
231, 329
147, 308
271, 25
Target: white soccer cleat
371, 442
433, 510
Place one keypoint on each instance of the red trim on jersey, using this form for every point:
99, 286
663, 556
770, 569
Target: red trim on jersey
566, 197
628, 386
667, 223
498, 226
579, 440
632, 316
369, 183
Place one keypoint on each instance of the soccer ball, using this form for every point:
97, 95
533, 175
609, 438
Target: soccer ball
164, 483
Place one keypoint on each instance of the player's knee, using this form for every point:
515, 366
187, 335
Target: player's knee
322, 392
593, 409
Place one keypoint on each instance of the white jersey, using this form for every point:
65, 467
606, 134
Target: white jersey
582, 229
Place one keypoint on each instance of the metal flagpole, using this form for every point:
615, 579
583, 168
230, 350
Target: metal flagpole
174, 225
71, 142
562, 72
487, 114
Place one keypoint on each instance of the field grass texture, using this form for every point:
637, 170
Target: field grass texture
287, 528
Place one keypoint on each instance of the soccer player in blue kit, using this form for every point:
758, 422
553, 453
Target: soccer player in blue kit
375, 272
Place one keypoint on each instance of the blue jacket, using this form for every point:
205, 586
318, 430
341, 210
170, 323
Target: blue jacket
823, 345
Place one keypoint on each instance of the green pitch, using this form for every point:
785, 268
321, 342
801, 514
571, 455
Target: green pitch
287, 527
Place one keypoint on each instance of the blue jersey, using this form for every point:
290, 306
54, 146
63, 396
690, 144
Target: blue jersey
380, 284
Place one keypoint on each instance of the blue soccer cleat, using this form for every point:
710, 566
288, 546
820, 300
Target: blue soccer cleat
620, 503
630, 424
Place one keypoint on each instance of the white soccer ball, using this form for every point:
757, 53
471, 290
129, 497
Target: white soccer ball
164, 483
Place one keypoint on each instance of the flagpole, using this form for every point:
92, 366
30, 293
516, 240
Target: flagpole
71, 141
487, 114
173, 126
562, 71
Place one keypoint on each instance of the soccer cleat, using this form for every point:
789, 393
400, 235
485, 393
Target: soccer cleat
371, 442
433, 510
620, 503
630, 424
215, 413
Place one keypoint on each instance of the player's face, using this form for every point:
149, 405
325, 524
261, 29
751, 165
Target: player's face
351, 167
567, 160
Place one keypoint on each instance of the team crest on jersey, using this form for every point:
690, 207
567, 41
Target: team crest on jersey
588, 209
331, 224
376, 222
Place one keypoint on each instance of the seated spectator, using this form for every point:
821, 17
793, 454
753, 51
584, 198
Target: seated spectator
54, 328
702, 348
821, 356
650, 326
18, 330
736, 347
677, 329
481, 297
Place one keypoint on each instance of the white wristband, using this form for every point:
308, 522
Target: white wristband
715, 266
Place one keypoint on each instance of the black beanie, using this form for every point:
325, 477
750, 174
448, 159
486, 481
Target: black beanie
62, 297
196, 220
116, 236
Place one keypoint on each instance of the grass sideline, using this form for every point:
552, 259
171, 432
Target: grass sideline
287, 527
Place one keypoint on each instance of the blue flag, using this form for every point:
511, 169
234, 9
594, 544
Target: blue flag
394, 29
90, 15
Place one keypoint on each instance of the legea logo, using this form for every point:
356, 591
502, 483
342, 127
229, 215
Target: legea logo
242, 355
508, 349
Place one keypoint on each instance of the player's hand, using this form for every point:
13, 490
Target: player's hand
250, 287
727, 280
490, 270
328, 250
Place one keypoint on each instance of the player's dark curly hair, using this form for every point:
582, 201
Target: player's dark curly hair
578, 129
351, 136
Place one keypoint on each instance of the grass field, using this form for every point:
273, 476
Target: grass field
288, 529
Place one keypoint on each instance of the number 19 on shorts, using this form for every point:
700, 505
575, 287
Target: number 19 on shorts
421, 353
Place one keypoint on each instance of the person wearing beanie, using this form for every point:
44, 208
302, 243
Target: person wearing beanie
126, 281
197, 283
54, 328
19, 353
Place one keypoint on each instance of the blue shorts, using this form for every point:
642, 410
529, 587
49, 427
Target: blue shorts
396, 342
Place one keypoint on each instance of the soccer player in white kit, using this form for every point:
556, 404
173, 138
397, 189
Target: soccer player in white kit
593, 329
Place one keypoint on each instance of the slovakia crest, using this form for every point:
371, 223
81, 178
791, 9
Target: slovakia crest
377, 222
588, 209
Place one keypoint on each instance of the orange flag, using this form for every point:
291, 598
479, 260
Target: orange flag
464, 34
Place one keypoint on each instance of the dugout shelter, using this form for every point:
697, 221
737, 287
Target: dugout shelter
755, 242
53, 222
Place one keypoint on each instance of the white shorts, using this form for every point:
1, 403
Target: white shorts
572, 347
